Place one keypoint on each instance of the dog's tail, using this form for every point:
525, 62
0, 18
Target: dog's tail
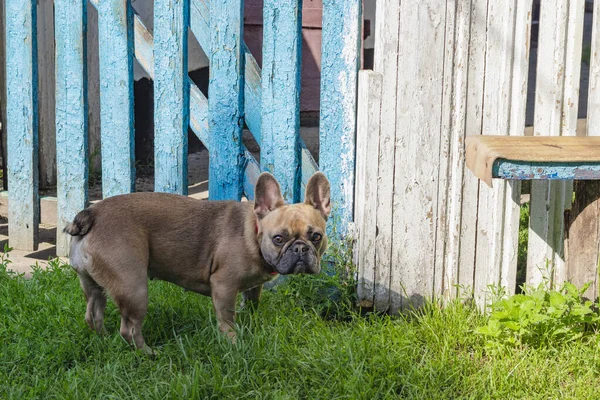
82, 223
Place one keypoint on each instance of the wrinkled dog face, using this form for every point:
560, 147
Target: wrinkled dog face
292, 237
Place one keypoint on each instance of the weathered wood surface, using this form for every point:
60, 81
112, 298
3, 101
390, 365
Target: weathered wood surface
417, 149
22, 123
385, 63
342, 24
226, 104
507, 169
365, 205
71, 115
116, 47
171, 96
282, 52
559, 42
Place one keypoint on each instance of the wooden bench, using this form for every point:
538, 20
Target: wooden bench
533, 157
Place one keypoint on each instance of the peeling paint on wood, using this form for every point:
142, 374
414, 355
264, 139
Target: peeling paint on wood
282, 47
252, 87
71, 115
115, 32
342, 27
22, 123
226, 104
171, 96
520, 170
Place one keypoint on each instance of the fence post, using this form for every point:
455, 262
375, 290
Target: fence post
339, 72
225, 106
22, 123
71, 114
115, 37
171, 95
282, 52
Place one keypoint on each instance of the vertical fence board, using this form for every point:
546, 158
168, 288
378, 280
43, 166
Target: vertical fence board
339, 78
418, 132
46, 99
115, 32
282, 47
473, 121
3, 97
496, 117
558, 33
171, 95
22, 123
365, 205
457, 116
385, 63
520, 74
71, 115
226, 100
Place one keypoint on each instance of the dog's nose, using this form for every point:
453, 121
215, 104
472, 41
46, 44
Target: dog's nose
300, 248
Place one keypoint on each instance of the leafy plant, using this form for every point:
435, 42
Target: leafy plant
540, 317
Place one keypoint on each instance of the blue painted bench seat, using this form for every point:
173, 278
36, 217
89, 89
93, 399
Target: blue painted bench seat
533, 157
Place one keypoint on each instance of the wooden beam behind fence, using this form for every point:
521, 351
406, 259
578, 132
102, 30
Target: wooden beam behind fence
342, 24
22, 123
115, 33
71, 114
171, 96
282, 48
226, 104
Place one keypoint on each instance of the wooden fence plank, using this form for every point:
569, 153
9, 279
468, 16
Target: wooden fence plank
386, 63
473, 125
365, 205
71, 115
171, 96
559, 34
115, 31
46, 93
226, 100
457, 116
512, 210
417, 151
282, 53
22, 123
496, 120
342, 22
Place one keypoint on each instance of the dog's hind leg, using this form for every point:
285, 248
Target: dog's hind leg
133, 307
96, 301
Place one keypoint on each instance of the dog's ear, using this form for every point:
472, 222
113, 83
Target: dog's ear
267, 195
318, 194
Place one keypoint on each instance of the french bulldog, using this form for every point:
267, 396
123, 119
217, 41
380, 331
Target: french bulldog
215, 248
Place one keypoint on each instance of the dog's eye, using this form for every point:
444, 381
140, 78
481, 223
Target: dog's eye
317, 237
278, 240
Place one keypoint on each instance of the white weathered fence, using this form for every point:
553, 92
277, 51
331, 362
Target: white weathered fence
445, 69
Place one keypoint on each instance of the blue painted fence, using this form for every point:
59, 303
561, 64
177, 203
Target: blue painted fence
266, 102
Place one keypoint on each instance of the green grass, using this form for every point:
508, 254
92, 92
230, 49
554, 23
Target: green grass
286, 350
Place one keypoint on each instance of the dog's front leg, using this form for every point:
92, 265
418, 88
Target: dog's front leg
224, 299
